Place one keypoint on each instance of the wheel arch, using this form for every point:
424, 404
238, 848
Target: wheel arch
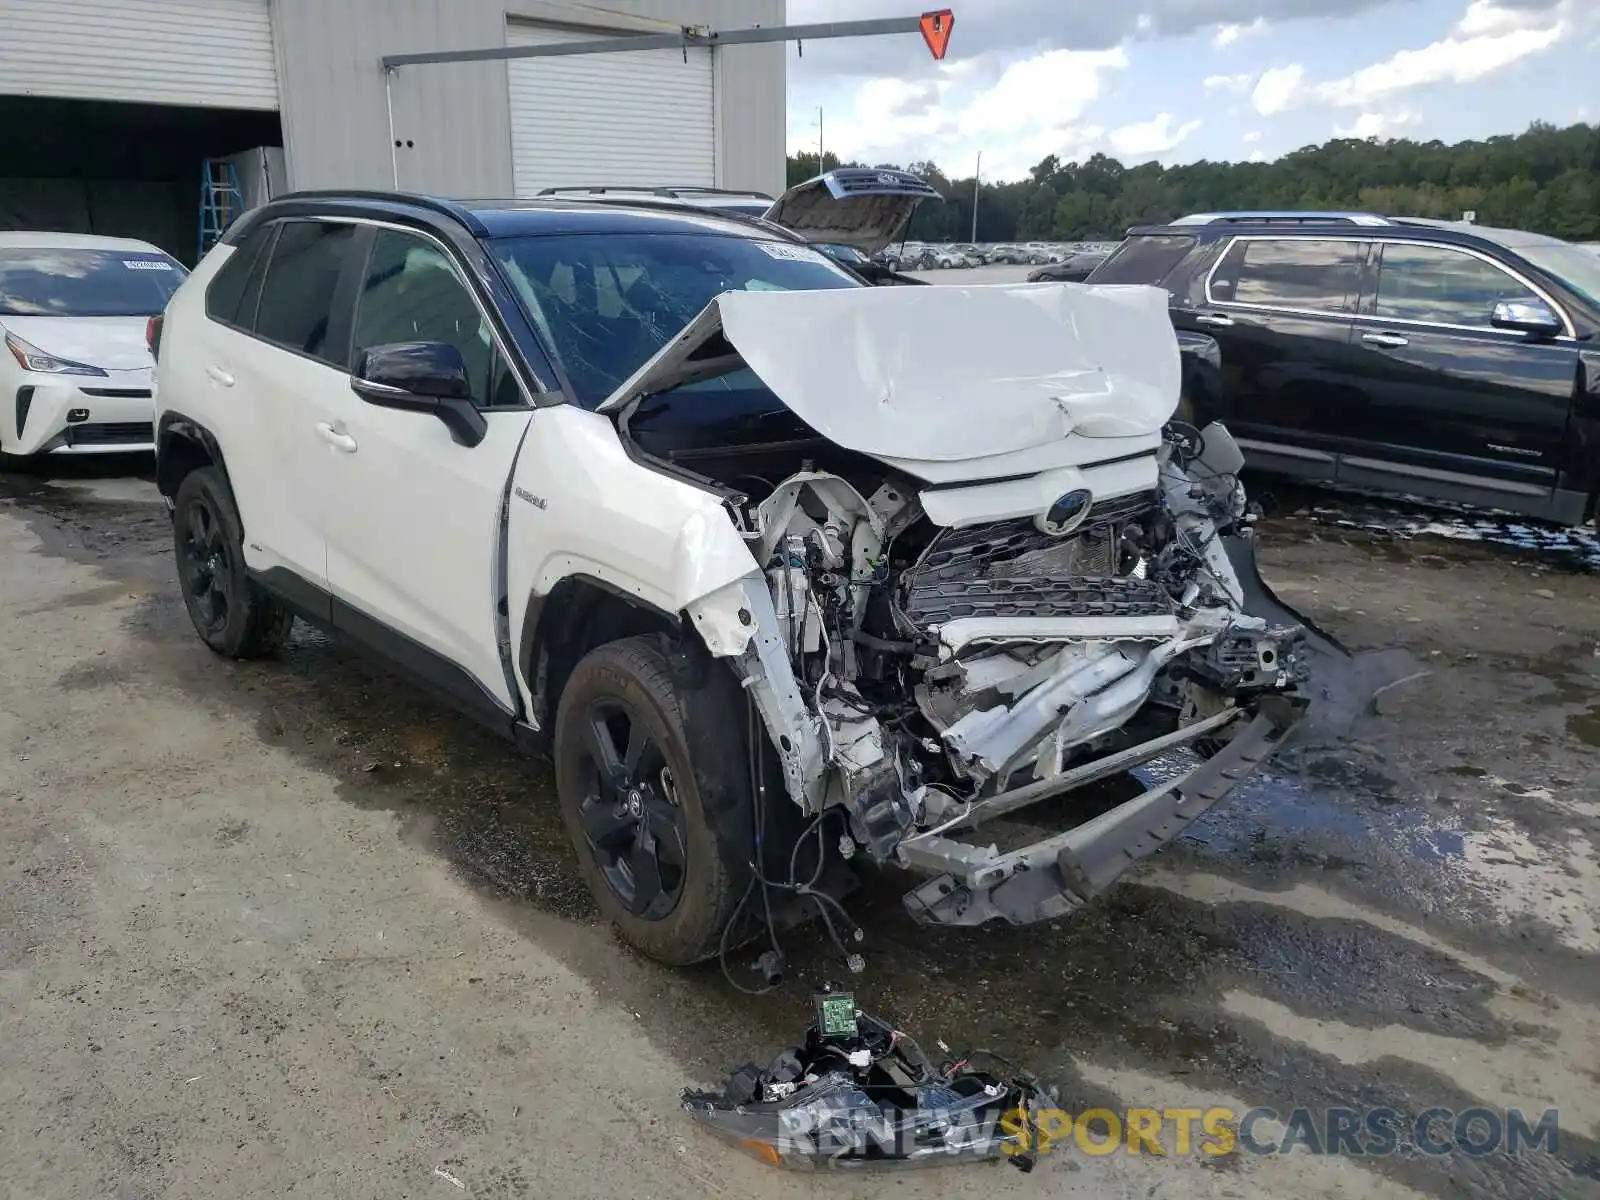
184, 445
562, 625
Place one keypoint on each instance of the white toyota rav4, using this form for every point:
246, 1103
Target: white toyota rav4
787, 573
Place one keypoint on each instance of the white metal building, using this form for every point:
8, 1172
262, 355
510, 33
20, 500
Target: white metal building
109, 107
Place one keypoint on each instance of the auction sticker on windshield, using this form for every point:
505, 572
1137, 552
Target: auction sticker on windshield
146, 264
791, 253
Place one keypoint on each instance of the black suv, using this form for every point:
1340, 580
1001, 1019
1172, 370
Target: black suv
1433, 359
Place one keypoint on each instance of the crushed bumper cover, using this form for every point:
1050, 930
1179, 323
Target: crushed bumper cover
1053, 877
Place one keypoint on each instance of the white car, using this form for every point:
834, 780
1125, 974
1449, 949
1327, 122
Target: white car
74, 309
771, 572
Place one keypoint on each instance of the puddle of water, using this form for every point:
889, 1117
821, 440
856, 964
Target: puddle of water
1330, 810
1407, 519
1338, 815
1585, 726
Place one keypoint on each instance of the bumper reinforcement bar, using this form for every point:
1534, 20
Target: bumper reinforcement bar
1053, 877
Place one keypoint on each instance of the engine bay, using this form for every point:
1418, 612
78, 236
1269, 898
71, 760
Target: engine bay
946, 667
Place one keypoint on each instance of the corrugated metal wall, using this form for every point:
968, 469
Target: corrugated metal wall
642, 118
217, 53
751, 81
456, 117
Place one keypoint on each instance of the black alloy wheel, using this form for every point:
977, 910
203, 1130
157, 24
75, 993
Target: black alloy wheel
231, 613
630, 811
206, 564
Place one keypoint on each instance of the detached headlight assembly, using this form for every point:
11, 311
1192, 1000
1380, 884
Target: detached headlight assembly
31, 358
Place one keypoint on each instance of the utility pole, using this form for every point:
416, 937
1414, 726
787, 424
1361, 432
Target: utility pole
977, 172
821, 165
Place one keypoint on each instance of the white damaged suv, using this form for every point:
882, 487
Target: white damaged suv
790, 575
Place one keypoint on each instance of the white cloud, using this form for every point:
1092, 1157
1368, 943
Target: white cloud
1054, 88
1485, 18
1253, 136
1258, 156
1155, 136
1488, 38
1034, 108
1279, 89
1236, 84
1452, 60
1377, 124
1227, 35
1144, 23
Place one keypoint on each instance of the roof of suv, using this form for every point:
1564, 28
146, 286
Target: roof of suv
512, 217
1343, 224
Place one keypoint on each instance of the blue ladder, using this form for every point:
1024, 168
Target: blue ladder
221, 201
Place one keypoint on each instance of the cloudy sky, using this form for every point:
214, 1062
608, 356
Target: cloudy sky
1182, 80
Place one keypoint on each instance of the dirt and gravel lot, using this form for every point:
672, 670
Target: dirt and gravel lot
289, 928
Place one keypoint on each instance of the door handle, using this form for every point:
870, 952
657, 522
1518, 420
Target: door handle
339, 441
1385, 339
1216, 320
220, 376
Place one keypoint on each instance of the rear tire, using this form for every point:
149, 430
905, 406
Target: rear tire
232, 615
653, 776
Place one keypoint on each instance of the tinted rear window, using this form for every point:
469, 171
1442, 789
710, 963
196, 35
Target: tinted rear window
297, 296
1148, 258
61, 282
227, 291
1315, 274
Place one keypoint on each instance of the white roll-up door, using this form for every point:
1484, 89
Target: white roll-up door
213, 53
637, 118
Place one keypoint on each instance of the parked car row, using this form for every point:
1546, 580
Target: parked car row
920, 256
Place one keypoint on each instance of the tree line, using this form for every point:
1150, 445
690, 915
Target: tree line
1546, 180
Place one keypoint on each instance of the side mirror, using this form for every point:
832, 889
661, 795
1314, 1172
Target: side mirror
1533, 317
422, 377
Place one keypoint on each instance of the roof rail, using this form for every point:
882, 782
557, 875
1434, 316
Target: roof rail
438, 204
650, 190
1282, 218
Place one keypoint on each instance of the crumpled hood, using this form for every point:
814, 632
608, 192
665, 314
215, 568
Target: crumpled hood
110, 343
941, 374
852, 206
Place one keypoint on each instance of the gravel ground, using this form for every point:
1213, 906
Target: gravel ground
288, 926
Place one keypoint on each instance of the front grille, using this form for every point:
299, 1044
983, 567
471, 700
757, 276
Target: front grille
1014, 569
979, 549
939, 601
119, 393
111, 433
1123, 508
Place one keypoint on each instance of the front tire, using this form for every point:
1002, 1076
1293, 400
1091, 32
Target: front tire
653, 776
232, 615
